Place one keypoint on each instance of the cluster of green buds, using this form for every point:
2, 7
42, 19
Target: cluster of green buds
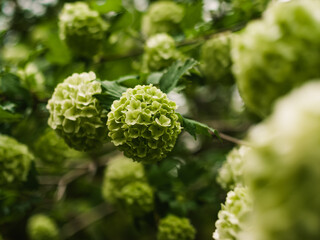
231, 174
162, 17
160, 52
283, 169
126, 186
41, 227
216, 59
233, 216
76, 114
278, 53
15, 160
82, 29
143, 124
175, 228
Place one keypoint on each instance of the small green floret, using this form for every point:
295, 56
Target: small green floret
41, 227
175, 228
233, 215
143, 124
75, 114
162, 17
81, 28
15, 160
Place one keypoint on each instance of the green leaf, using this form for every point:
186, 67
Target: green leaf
193, 127
105, 6
154, 78
7, 116
111, 91
170, 78
130, 81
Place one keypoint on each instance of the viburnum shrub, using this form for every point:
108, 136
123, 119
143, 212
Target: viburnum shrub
162, 17
283, 167
41, 227
277, 53
233, 215
82, 29
175, 228
143, 124
15, 160
75, 114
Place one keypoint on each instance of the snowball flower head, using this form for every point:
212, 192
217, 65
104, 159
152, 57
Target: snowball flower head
76, 114
41, 227
143, 124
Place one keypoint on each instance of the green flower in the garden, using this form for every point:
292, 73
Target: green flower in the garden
273, 55
233, 215
162, 17
75, 114
283, 169
52, 149
137, 198
41, 227
231, 173
216, 59
15, 160
175, 228
160, 52
82, 28
143, 124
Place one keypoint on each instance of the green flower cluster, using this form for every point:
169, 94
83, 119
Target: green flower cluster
216, 59
175, 228
125, 185
162, 17
277, 53
51, 149
41, 227
143, 124
231, 173
81, 28
15, 160
159, 52
233, 215
75, 114
283, 170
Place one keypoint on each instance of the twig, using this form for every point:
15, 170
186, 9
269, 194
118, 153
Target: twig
233, 140
84, 220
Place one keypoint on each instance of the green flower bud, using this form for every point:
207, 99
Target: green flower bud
175, 228
277, 53
51, 149
75, 114
231, 173
119, 173
41, 227
216, 59
233, 215
81, 28
15, 160
283, 170
160, 52
162, 17
137, 198
143, 124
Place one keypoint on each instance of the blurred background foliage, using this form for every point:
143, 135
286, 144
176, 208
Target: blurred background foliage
65, 184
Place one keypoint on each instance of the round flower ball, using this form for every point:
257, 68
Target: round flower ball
162, 17
278, 53
15, 160
175, 228
41, 227
137, 198
233, 215
216, 59
143, 124
120, 172
82, 29
75, 114
283, 170
160, 52
231, 173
